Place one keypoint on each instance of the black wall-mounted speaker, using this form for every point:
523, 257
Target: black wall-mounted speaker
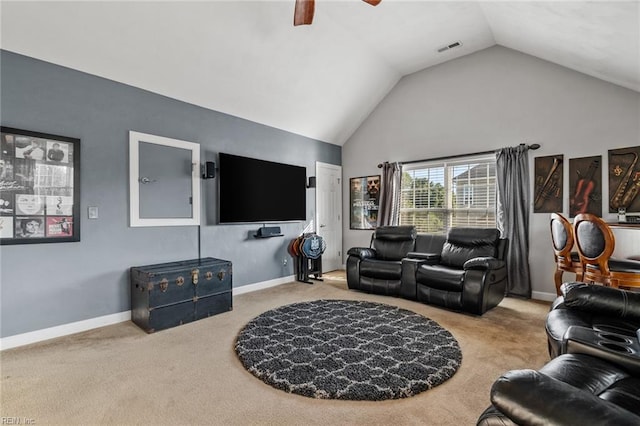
312, 182
209, 170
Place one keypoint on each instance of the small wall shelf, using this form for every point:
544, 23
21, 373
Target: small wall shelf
268, 232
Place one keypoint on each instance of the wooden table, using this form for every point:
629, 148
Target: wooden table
627, 240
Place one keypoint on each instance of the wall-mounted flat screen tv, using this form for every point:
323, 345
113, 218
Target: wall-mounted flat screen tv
252, 190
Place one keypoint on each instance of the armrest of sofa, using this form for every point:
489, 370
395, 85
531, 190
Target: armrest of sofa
429, 258
362, 252
622, 352
408, 286
483, 263
602, 300
531, 397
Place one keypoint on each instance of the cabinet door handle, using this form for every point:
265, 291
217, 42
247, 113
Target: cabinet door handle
145, 180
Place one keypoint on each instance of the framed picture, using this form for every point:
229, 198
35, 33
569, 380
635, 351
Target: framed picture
624, 179
364, 202
547, 196
585, 185
39, 187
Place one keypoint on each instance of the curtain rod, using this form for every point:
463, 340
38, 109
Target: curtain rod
533, 146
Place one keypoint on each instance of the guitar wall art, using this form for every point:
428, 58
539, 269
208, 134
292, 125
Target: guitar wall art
585, 185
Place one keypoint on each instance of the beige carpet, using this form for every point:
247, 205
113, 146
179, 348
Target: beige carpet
119, 375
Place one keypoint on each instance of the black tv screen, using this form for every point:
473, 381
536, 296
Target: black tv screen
252, 190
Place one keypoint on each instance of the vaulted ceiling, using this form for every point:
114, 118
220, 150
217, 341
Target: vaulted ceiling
245, 58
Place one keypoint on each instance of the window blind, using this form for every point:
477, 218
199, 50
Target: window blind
457, 193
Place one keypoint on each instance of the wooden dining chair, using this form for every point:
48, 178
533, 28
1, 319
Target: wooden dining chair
562, 242
595, 242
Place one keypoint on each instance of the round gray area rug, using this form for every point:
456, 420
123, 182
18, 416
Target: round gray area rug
343, 349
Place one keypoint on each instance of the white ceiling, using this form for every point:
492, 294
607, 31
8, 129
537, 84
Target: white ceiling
245, 58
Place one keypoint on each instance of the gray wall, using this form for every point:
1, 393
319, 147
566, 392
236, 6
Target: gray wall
494, 98
44, 285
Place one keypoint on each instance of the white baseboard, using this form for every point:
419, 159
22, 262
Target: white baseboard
262, 285
539, 295
62, 330
80, 326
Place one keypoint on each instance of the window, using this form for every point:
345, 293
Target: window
460, 192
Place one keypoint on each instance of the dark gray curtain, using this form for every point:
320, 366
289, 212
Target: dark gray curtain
512, 175
389, 210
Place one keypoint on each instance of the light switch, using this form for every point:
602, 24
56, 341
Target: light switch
93, 212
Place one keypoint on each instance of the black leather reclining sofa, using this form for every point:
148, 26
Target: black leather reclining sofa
463, 271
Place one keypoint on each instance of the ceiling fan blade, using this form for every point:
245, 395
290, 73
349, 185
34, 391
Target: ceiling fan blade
303, 14
372, 2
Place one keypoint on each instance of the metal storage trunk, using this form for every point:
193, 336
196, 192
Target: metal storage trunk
169, 294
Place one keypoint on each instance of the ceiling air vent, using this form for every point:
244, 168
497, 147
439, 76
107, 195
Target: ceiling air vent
450, 46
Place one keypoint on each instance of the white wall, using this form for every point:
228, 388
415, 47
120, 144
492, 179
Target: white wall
491, 99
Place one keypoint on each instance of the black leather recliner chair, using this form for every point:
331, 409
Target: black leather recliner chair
605, 309
378, 269
469, 274
590, 380
572, 389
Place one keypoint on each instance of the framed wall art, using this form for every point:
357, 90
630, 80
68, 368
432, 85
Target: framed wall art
547, 196
585, 185
39, 187
364, 202
624, 179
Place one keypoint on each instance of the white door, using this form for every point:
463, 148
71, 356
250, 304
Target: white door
329, 213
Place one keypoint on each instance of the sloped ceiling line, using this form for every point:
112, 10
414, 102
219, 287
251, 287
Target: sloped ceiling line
245, 58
